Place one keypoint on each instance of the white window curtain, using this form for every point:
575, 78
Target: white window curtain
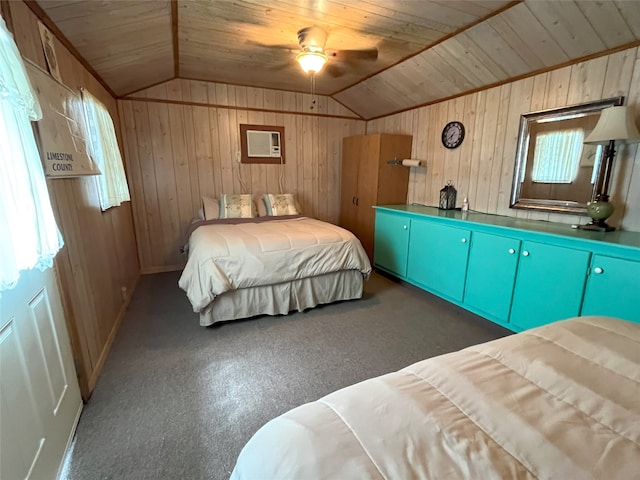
557, 156
29, 236
103, 145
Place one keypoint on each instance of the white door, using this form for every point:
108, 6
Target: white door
39, 394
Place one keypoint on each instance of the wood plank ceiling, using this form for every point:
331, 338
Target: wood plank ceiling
427, 50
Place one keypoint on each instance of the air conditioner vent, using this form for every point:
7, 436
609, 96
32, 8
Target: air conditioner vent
263, 144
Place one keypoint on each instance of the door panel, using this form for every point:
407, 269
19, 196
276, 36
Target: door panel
549, 285
491, 274
351, 147
39, 394
438, 257
612, 288
22, 432
391, 242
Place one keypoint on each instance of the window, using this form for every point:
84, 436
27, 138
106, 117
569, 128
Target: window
103, 145
29, 236
557, 156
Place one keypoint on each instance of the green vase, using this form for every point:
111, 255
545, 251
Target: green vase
599, 209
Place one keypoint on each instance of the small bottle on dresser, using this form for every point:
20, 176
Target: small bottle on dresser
465, 208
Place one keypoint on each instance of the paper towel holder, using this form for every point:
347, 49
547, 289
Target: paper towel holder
407, 162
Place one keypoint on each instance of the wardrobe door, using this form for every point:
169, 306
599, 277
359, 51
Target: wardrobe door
351, 147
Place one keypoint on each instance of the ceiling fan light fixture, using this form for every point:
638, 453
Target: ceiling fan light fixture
311, 62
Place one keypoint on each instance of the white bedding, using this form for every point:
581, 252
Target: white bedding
557, 402
234, 256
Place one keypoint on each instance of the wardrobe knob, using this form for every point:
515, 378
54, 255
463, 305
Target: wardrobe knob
404, 227
463, 240
525, 253
512, 251
598, 270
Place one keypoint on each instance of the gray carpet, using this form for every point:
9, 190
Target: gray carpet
178, 401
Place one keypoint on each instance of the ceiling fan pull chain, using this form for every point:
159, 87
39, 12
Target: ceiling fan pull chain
313, 91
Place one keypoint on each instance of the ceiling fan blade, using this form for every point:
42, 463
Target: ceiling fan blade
334, 70
290, 47
367, 54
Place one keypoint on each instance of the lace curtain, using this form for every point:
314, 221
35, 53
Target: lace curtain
104, 149
29, 236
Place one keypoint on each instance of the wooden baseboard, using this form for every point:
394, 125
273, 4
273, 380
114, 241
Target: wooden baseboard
112, 335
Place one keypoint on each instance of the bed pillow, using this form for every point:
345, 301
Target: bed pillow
262, 209
211, 208
280, 204
237, 206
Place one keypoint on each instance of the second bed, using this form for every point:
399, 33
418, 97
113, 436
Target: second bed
239, 268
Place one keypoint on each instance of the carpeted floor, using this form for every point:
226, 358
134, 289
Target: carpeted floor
178, 401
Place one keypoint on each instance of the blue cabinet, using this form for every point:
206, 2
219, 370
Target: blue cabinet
391, 240
549, 285
613, 288
491, 275
438, 257
518, 273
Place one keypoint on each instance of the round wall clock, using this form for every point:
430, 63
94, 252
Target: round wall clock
453, 134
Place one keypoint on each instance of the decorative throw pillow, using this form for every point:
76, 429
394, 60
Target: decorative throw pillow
262, 209
237, 206
280, 204
211, 208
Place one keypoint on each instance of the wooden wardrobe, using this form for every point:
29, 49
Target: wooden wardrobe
368, 179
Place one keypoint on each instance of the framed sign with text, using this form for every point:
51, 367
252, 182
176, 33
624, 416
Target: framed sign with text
62, 131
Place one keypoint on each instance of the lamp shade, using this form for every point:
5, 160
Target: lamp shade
615, 123
311, 62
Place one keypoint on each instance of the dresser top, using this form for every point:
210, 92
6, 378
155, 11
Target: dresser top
617, 237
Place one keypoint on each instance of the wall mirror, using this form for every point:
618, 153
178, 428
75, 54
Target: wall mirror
554, 170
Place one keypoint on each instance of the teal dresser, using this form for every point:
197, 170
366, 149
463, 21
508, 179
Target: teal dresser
517, 273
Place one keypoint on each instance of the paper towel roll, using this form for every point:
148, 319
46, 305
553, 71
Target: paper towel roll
407, 162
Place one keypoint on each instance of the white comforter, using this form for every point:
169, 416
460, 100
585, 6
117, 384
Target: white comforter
228, 257
557, 402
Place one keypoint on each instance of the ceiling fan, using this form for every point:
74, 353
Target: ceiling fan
314, 56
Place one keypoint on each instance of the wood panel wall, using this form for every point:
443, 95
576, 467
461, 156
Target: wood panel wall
482, 167
177, 152
263, 99
99, 257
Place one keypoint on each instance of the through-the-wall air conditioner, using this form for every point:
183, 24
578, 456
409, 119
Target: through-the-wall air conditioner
263, 144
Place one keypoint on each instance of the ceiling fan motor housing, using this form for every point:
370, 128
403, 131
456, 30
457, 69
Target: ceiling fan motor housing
312, 39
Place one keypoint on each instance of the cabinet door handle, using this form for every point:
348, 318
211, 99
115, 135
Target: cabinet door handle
525, 253
463, 240
357, 201
512, 251
598, 270
404, 227
353, 200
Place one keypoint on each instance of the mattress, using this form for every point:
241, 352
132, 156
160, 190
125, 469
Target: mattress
558, 401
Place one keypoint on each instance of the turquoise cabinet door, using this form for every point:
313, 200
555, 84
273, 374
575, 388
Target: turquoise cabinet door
491, 274
438, 258
549, 284
391, 240
613, 288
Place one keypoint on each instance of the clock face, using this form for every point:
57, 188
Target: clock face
453, 134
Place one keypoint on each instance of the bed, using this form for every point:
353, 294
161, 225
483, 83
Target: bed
559, 401
242, 267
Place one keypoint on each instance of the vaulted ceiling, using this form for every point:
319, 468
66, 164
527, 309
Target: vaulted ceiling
427, 50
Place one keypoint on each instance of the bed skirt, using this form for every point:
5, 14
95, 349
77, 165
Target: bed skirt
283, 298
